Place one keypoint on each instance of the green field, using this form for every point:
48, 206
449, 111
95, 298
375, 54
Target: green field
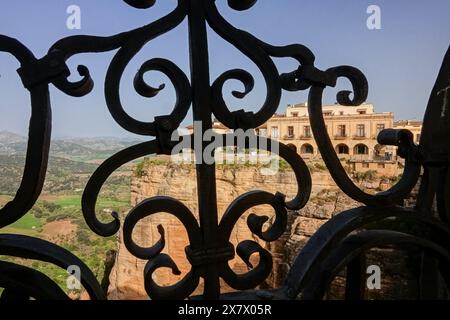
72, 201
28, 225
57, 215
84, 243
27, 222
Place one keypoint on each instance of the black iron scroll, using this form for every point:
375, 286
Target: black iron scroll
209, 249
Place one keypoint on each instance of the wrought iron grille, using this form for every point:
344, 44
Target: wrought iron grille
334, 246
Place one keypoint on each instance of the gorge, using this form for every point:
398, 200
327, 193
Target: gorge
160, 177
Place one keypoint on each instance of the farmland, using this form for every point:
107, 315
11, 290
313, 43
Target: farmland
57, 215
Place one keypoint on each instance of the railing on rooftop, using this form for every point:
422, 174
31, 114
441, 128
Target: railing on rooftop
382, 220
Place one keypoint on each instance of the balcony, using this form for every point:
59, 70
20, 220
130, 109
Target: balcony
359, 137
385, 157
306, 137
360, 157
289, 137
340, 137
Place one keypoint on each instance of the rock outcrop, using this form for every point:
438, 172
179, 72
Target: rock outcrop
179, 181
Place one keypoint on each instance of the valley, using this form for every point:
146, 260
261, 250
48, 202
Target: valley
57, 215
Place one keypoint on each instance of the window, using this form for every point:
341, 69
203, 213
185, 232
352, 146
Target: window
360, 130
341, 113
328, 113
274, 132
307, 149
361, 111
290, 131
307, 131
380, 127
342, 149
295, 114
381, 166
292, 147
365, 165
263, 132
341, 130
361, 149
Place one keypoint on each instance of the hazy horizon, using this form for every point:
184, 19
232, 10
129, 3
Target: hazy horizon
123, 137
400, 61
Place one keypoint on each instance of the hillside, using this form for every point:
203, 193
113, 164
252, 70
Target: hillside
57, 215
63, 175
77, 149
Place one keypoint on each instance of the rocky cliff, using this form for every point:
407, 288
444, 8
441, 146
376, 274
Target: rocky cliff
179, 181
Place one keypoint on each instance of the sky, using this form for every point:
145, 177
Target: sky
401, 60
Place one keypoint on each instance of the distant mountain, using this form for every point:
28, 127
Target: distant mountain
10, 141
9, 137
78, 149
100, 144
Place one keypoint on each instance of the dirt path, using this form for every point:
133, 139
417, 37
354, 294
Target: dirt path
58, 231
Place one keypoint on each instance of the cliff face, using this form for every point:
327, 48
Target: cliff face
180, 182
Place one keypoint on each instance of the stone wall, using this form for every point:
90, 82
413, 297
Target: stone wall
179, 181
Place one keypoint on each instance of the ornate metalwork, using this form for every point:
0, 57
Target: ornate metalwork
333, 247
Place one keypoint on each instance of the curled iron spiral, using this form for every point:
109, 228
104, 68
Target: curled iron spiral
209, 250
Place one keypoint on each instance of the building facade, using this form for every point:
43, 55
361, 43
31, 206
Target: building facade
353, 132
412, 125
